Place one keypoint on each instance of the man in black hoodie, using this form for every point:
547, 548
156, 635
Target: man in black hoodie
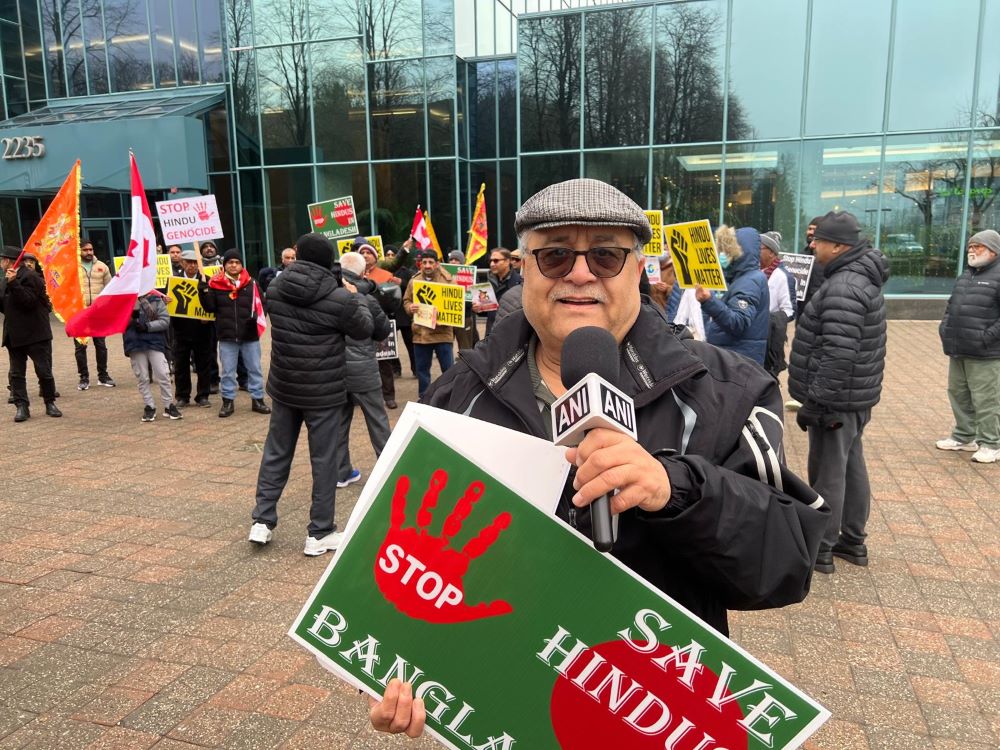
311, 314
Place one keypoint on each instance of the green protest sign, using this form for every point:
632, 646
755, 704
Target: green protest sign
464, 276
515, 631
334, 218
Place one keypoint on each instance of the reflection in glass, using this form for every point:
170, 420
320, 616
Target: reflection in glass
984, 209
283, 85
339, 101
17, 96
465, 29
442, 203
164, 70
846, 92
687, 183
841, 175
439, 75
72, 29
690, 58
399, 187
209, 43
335, 180
765, 68
52, 12
485, 45
388, 28
439, 27
626, 170
541, 171
127, 33
289, 191
507, 106
186, 41
396, 99
762, 187
252, 208
217, 138
10, 50
481, 172
988, 100
483, 103
933, 90
508, 203
221, 186
550, 82
243, 78
97, 54
280, 21
616, 103
34, 58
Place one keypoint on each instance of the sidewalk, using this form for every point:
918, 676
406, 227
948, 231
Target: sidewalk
134, 614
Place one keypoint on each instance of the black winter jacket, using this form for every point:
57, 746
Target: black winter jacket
838, 354
971, 323
362, 367
310, 316
728, 538
234, 318
25, 305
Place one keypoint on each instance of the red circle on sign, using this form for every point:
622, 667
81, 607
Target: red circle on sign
343, 214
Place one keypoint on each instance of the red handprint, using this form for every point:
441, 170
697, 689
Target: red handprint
203, 213
316, 212
419, 573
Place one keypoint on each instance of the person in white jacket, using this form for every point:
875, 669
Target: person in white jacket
781, 286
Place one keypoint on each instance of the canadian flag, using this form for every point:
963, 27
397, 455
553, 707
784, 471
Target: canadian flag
419, 231
110, 312
258, 311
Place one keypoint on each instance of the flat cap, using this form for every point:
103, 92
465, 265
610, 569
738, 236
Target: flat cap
582, 201
189, 255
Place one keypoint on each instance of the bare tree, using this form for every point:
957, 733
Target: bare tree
283, 72
617, 78
550, 81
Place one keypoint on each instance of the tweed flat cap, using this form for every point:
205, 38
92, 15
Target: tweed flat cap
582, 201
189, 255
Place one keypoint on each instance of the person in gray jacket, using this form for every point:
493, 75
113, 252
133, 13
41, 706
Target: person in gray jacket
970, 334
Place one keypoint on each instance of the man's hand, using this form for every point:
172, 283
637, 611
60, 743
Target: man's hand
607, 460
398, 711
661, 287
350, 287
702, 294
11, 273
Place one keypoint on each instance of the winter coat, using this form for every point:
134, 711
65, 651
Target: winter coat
738, 319
25, 305
511, 301
501, 287
838, 354
728, 539
191, 329
234, 316
310, 316
423, 334
971, 323
362, 367
147, 329
93, 282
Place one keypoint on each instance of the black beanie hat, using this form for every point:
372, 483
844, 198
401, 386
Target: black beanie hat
815, 220
314, 248
232, 254
840, 227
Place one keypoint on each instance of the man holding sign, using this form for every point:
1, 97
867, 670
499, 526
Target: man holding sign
699, 511
435, 340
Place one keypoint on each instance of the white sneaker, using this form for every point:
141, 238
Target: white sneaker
950, 444
260, 534
328, 543
986, 455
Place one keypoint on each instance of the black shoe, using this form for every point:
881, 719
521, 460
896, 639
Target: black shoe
856, 554
183, 402
259, 406
241, 386
22, 413
824, 561
83, 385
52, 410
148, 414
172, 413
203, 401
11, 400
106, 381
214, 388
391, 405
227, 408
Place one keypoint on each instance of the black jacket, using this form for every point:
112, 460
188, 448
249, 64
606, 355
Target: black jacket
25, 305
362, 367
838, 354
971, 323
728, 539
310, 316
501, 288
234, 318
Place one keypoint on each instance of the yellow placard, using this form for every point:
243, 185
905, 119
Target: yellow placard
344, 246
183, 301
696, 260
163, 269
447, 299
654, 248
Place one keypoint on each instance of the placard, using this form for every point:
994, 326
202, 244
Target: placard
484, 297
464, 276
389, 348
447, 299
654, 248
696, 259
800, 266
653, 270
335, 217
183, 301
193, 219
163, 269
344, 245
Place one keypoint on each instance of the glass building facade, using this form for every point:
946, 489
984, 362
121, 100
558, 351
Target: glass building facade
743, 112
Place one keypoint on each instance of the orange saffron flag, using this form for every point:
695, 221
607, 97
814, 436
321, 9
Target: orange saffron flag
56, 244
477, 232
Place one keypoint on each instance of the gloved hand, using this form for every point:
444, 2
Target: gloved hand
811, 414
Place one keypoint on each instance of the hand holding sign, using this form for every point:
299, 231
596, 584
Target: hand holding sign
398, 711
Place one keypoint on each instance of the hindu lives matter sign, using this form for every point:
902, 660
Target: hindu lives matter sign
516, 633
696, 260
447, 299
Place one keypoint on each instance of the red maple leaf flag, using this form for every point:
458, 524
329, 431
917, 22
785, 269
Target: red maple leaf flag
258, 311
419, 231
110, 312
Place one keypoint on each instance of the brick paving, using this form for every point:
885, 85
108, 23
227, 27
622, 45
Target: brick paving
134, 614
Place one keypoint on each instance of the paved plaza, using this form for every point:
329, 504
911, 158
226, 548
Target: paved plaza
134, 614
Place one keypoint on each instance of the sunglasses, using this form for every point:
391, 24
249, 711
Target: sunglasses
603, 262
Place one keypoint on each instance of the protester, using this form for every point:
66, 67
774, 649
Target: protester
94, 276
970, 334
27, 333
781, 290
362, 375
176, 268
502, 277
737, 319
516, 258
702, 521
234, 298
269, 274
838, 356
660, 291
192, 343
404, 323
380, 277
466, 336
429, 342
210, 255
145, 342
311, 313
816, 277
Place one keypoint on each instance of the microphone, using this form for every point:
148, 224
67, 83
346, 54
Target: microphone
589, 366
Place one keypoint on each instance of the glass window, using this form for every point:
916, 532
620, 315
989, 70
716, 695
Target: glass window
841, 175
984, 208
221, 186
505, 30
462, 72
289, 191
544, 170
52, 35
399, 188
550, 82
387, 28
252, 206
442, 203
34, 59
335, 180
483, 103
243, 77
9, 231
10, 50
217, 138
128, 44
507, 106
285, 114
465, 29
922, 196
17, 96
439, 74
97, 53
238, 16
164, 68
988, 104
762, 185
339, 101
627, 170
186, 42
690, 60
280, 21
687, 182
616, 103
508, 202
8, 10
933, 90
485, 44
439, 27
766, 57
210, 41
396, 99
846, 90
72, 41
481, 172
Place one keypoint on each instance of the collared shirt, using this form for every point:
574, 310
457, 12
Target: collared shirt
543, 395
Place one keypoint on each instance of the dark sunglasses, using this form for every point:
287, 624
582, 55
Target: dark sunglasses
603, 262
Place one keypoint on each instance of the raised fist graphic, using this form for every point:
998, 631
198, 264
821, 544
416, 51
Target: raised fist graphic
679, 245
426, 295
419, 573
184, 294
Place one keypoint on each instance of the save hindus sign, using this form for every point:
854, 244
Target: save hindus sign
189, 219
456, 577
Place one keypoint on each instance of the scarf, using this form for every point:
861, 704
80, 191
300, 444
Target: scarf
770, 269
222, 282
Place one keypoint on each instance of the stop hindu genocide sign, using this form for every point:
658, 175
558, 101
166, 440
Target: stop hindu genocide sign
513, 630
